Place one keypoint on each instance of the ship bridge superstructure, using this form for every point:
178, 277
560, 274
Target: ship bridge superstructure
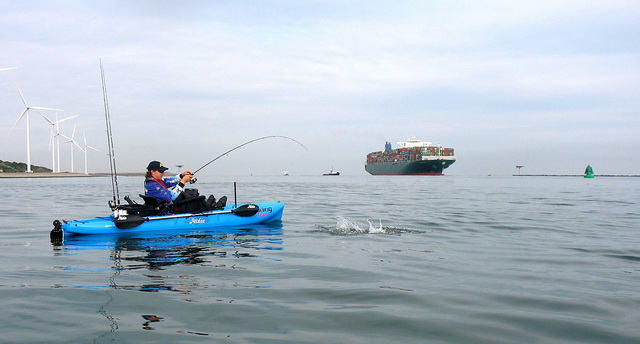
413, 141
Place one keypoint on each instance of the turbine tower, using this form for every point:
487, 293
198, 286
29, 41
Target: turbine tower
55, 134
84, 149
72, 142
25, 114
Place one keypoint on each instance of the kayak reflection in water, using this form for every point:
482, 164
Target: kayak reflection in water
170, 190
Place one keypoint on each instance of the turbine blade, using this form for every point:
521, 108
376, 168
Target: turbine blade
8, 68
51, 138
44, 108
19, 118
22, 97
84, 137
62, 120
45, 117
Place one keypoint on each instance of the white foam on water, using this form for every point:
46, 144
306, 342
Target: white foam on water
344, 225
347, 226
374, 229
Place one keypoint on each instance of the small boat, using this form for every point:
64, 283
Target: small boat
588, 172
139, 218
332, 173
286, 173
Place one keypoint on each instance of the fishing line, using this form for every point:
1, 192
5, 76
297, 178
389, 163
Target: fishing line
246, 143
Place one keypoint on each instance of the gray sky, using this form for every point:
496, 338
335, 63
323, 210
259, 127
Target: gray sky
551, 85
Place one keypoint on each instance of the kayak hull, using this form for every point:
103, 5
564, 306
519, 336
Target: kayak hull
269, 212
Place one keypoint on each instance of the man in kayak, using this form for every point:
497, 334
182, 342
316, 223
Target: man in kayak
168, 189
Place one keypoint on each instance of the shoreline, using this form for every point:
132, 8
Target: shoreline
62, 175
575, 175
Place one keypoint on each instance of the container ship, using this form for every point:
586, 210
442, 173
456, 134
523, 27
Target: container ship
414, 157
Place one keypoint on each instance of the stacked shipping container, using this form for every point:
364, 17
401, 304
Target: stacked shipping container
407, 154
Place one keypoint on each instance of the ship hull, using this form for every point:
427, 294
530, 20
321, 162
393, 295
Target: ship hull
420, 167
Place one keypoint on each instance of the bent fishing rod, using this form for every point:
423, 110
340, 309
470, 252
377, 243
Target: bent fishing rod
193, 180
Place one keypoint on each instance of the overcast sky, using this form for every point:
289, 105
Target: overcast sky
551, 85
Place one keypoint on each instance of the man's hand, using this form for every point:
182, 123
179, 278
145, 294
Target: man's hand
186, 176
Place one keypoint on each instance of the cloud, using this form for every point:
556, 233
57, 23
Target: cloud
187, 80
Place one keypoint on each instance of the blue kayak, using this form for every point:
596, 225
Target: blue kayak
263, 236
230, 216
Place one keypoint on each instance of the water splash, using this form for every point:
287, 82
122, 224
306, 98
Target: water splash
345, 226
374, 229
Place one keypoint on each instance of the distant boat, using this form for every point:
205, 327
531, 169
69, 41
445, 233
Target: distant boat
332, 173
286, 173
588, 172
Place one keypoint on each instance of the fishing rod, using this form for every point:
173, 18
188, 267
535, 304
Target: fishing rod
112, 157
193, 180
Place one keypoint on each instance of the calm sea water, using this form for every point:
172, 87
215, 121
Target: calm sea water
356, 259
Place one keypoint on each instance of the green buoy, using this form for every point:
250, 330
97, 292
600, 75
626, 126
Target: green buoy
588, 172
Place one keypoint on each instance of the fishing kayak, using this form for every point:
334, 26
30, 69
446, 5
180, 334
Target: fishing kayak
229, 216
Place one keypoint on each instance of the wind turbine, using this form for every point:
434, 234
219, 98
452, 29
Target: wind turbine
25, 113
55, 134
57, 142
84, 149
72, 142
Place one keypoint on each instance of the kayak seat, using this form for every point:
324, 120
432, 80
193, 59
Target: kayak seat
158, 209
189, 205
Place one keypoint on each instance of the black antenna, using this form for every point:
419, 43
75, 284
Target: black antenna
112, 156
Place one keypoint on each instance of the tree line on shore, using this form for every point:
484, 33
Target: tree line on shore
15, 167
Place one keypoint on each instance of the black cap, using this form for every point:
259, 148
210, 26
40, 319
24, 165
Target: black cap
156, 165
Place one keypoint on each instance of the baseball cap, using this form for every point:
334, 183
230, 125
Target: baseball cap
156, 165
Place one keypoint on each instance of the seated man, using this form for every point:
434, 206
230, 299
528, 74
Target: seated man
167, 189
164, 189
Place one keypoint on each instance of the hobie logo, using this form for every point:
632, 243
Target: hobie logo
197, 220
